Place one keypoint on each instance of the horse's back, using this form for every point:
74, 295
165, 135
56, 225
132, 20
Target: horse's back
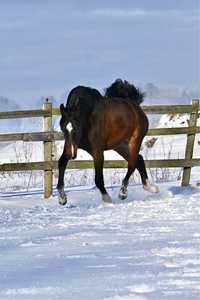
131, 114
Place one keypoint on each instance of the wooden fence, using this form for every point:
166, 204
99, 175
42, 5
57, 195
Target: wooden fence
48, 137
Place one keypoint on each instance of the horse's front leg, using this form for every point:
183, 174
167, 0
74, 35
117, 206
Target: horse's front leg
99, 181
62, 163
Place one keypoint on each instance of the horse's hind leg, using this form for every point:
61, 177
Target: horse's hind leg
99, 181
131, 154
123, 150
62, 163
143, 173
123, 193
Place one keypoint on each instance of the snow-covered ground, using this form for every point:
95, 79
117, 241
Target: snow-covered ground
146, 247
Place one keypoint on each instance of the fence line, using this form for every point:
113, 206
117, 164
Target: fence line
58, 136
47, 136
87, 164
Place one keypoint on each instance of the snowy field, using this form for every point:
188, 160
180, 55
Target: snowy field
147, 247
144, 248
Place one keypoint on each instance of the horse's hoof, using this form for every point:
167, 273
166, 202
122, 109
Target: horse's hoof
106, 198
151, 187
62, 199
123, 193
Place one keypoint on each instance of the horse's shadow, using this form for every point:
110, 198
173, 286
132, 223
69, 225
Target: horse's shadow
186, 190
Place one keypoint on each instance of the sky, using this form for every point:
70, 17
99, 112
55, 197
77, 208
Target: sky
48, 47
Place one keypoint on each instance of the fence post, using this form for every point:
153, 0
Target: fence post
190, 142
48, 174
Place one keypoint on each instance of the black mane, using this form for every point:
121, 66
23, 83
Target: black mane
123, 89
83, 96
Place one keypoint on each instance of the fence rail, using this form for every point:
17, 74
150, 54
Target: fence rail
87, 164
47, 136
25, 114
58, 136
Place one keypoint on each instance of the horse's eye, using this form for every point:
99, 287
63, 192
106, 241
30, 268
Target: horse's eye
69, 127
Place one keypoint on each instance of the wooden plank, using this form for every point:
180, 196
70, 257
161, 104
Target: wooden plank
32, 136
56, 111
190, 142
88, 164
48, 146
167, 109
173, 131
151, 132
149, 109
24, 114
57, 136
27, 137
154, 109
29, 166
172, 163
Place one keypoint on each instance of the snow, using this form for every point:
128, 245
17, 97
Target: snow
143, 248
146, 247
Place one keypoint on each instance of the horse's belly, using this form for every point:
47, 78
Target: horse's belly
113, 141
116, 132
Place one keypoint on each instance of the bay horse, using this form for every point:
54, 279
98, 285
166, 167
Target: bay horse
96, 123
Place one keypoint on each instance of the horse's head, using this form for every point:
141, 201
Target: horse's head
71, 127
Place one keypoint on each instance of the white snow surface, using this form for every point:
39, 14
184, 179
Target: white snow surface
146, 247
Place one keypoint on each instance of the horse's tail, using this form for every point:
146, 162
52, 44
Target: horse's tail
125, 90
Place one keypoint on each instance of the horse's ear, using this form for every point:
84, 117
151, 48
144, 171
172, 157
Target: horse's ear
62, 109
